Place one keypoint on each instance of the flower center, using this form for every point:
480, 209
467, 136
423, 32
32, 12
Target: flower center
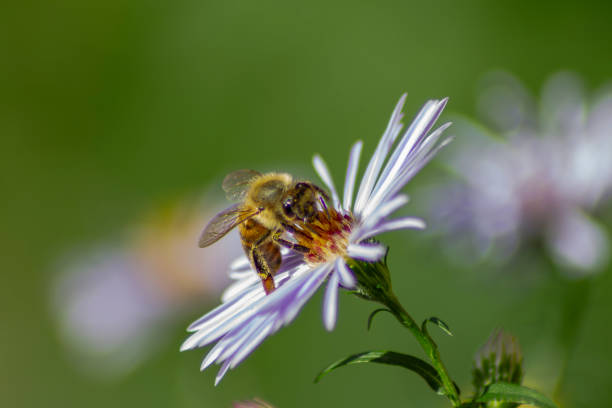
326, 236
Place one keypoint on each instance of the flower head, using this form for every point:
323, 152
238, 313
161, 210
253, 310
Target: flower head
340, 234
112, 303
540, 179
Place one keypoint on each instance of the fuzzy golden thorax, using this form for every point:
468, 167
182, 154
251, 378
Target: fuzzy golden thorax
266, 193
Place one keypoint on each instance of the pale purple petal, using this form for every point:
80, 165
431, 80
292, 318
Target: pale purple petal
317, 277
347, 279
330, 303
415, 162
384, 210
313, 282
376, 162
241, 287
240, 274
415, 134
233, 314
230, 343
351, 174
225, 310
222, 372
240, 263
370, 253
255, 340
408, 154
211, 333
398, 223
323, 171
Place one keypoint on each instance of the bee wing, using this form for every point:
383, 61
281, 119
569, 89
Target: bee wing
237, 183
223, 222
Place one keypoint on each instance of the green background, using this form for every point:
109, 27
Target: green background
109, 106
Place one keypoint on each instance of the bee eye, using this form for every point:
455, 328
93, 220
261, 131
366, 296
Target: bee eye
288, 207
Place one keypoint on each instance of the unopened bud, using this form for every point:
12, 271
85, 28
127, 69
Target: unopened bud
254, 403
499, 360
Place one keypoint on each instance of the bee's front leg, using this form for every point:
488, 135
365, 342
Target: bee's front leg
288, 244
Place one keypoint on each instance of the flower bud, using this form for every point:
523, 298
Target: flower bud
499, 360
254, 403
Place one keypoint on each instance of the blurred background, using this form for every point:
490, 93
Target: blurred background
118, 121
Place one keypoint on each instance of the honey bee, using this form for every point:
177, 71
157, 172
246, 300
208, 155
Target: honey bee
269, 205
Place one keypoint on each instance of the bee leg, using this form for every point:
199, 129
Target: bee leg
263, 270
262, 252
287, 244
296, 231
321, 192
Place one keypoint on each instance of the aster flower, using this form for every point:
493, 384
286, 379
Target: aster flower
543, 177
247, 316
112, 303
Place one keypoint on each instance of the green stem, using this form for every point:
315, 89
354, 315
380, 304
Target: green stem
430, 348
374, 284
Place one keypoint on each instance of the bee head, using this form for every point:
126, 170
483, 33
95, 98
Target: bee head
300, 202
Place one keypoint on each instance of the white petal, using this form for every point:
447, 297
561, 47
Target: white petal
314, 280
237, 340
241, 287
240, 263
224, 311
364, 252
413, 164
323, 171
253, 341
351, 174
398, 223
212, 330
407, 149
317, 277
414, 135
376, 162
330, 303
227, 345
384, 210
211, 356
222, 372
240, 274
347, 279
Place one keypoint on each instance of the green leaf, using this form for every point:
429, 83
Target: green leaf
374, 313
425, 370
439, 323
507, 392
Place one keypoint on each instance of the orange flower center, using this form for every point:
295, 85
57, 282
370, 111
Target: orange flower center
326, 236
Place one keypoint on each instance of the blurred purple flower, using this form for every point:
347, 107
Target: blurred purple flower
542, 175
112, 303
254, 403
247, 316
